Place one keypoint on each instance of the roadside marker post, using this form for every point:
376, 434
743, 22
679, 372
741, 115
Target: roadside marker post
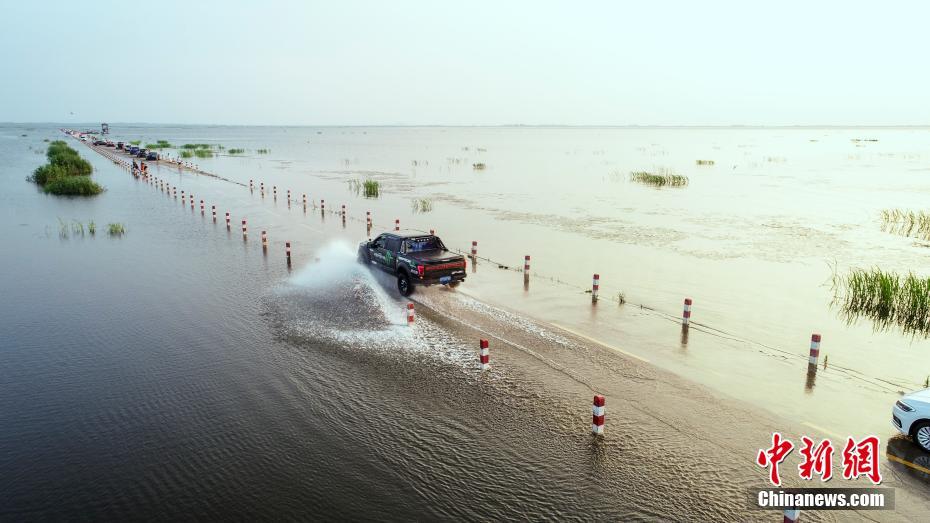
397, 224
202, 210
264, 241
815, 349
595, 286
287, 252
598, 411
288, 195
192, 202
251, 187
474, 249
410, 315
686, 313
275, 189
484, 356
305, 199
244, 230
227, 220
322, 206
368, 219
526, 266
213, 210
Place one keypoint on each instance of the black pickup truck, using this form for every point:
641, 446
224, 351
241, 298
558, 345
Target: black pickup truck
416, 259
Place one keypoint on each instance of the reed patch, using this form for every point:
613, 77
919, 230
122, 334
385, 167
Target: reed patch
915, 224
659, 179
887, 298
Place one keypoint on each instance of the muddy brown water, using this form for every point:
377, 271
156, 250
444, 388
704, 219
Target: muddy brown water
180, 363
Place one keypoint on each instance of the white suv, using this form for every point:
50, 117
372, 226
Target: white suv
911, 416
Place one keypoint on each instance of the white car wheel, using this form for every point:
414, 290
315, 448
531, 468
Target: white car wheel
922, 436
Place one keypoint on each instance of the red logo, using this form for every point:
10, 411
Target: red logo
774, 455
861, 459
819, 460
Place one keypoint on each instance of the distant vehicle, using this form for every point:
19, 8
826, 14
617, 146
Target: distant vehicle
911, 416
99, 142
152, 156
416, 259
119, 145
141, 153
133, 149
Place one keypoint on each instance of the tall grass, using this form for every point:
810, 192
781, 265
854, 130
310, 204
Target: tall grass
263, 151
664, 178
235, 151
906, 223
116, 229
160, 144
478, 166
66, 173
887, 298
196, 146
135, 142
419, 205
704, 162
368, 188
203, 153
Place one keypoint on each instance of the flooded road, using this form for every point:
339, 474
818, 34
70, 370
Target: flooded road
180, 362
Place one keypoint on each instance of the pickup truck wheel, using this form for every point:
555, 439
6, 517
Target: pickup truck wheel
454, 284
404, 285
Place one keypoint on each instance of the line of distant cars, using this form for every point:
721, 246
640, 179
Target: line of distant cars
132, 150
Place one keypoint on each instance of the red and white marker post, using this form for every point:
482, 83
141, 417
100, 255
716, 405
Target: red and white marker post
410, 314
288, 195
305, 200
244, 229
484, 356
343, 211
192, 202
598, 411
815, 349
213, 210
265, 241
227, 220
595, 286
474, 249
432, 232
287, 252
397, 224
202, 209
368, 219
322, 206
251, 187
686, 313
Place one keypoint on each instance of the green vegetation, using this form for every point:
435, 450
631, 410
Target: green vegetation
906, 223
196, 146
115, 229
704, 162
236, 151
263, 151
478, 166
135, 142
92, 228
369, 188
66, 173
73, 186
186, 154
203, 153
421, 205
887, 298
664, 178
160, 144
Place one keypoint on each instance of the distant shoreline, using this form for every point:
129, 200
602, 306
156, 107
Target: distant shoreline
489, 126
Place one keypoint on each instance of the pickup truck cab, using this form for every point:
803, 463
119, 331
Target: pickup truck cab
415, 258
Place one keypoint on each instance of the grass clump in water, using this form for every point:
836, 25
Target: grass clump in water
263, 151
187, 154
368, 188
203, 153
664, 178
196, 146
478, 166
887, 298
235, 151
906, 223
66, 173
135, 142
419, 205
160, 144
704, 162
116, 229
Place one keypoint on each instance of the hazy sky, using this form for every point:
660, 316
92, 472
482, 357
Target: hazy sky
466, 63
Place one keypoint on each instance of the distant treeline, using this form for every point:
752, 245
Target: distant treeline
65, 173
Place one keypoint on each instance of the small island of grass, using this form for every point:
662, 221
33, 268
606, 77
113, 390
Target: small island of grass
66, 173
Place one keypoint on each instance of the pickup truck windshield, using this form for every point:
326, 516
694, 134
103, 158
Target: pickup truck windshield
426, 243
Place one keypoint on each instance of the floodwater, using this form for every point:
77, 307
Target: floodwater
181, 363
